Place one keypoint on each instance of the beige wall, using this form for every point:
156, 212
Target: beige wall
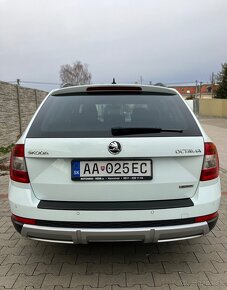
213, 107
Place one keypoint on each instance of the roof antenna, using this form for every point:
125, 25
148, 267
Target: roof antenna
114, 82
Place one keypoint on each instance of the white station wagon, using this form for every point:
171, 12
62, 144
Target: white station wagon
114, 163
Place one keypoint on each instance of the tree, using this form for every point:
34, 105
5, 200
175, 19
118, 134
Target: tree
221, 91
76, 74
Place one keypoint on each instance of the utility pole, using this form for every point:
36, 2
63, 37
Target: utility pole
196, 88
200, 89
18, 82
212, 84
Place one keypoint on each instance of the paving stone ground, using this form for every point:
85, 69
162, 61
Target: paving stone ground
193, 264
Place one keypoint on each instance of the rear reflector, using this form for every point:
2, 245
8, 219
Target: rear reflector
18, 169
205, 218
23, 220
210, 168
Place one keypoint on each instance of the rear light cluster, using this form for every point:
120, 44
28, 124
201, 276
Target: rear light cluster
210, 168
18, 169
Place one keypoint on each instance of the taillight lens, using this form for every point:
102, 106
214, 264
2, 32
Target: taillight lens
210, 168
18, 169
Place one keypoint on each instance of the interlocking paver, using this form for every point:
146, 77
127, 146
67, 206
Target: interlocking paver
42, 288
217, 279
62, 258
220, 240
117, 279
163, 279
2, 258
24, 280
145, 287
189, 248
176, 267
88, 259
58, 249
124, 249
169, 248
8, 282
112, 259
150, 267
95, 288
137, 258
214, 248
73, 288
146, 279
208, 257
9, 250
192, 287
63, 280
201, 267
220, 267
21, 269
147, 248
219, 287
70, 269
116, 287
4, 269
45, 259
173, 257
8, 243
86, 280
195, 278
35, 250
47, 269
100, 268
223, 255
12, 259
127, 268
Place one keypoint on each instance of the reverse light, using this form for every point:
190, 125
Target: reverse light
18, 169
210, 168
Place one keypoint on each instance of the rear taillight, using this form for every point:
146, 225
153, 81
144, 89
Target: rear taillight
210, 168
18, 169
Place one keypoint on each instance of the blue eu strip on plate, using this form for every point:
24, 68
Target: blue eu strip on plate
76, 169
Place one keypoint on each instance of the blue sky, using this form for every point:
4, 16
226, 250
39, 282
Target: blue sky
160, 40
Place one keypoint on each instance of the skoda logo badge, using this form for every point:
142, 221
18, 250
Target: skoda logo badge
114, 147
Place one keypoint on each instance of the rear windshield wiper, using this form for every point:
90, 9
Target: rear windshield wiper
118, 131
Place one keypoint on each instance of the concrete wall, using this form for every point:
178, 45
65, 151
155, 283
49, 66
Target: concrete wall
17, 106
213, 107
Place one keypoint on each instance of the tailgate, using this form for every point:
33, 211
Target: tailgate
176, 168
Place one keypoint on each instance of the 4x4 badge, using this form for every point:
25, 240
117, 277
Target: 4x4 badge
114, 147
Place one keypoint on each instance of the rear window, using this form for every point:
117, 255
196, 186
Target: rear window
93, 116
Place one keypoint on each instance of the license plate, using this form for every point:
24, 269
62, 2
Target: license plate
101, 170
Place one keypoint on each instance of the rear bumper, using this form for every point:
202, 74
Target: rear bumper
85, 235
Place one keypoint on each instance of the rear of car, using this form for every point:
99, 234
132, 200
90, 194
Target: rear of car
114, 163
